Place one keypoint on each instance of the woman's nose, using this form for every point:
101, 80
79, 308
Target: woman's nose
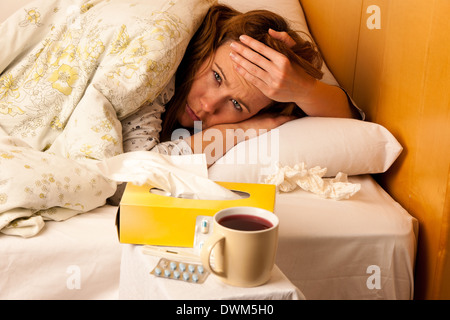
211, 104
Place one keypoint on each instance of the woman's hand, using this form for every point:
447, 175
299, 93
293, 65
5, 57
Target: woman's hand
284, 81
282, 36
271, 71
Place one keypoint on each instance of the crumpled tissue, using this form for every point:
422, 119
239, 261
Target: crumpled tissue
184, 176
288, 178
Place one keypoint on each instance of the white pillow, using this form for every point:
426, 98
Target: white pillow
341, 145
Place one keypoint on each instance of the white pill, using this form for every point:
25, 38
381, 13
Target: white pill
204, 226
200, 269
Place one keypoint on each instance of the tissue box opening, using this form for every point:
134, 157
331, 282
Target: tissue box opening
153, 218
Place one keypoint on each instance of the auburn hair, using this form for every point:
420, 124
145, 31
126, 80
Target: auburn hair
223, 24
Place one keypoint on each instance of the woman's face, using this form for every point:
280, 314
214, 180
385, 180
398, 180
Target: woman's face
220, 95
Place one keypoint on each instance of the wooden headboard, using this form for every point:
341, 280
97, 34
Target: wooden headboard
393, 58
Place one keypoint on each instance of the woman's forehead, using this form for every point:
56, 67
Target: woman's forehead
242, 89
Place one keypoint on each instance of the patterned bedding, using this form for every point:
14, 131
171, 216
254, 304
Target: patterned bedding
71, 70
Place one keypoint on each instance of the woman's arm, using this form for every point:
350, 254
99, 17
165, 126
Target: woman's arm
215, 141
324, 100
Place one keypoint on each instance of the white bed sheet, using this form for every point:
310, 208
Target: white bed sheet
75, 259
325, 249
330, 249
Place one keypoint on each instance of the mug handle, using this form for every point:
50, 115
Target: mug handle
205, 253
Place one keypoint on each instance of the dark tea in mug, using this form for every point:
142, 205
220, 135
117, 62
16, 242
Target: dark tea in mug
244, 222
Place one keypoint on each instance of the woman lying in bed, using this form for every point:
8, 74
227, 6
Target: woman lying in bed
226, 78
240, 71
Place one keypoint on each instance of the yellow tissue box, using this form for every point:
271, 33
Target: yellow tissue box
148, 218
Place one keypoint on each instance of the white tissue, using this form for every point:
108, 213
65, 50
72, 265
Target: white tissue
287, 179
181, 176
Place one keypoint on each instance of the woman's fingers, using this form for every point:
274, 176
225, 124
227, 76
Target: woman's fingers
250, 57
255, 61
269, 54
282, 36
251, 72
267, 69
258, 53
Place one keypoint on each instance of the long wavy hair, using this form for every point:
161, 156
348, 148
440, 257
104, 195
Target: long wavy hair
222, 24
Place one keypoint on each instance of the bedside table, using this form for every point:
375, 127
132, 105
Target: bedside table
137, 283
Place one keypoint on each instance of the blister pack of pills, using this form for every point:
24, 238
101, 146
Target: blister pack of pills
177, 270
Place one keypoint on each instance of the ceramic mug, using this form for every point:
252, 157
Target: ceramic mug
243, 243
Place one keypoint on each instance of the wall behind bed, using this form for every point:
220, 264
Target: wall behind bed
393, 58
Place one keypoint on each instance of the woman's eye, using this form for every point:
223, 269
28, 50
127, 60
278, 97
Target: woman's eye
217, 77
236, 105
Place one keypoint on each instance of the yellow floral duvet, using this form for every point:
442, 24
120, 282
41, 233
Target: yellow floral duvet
69, 72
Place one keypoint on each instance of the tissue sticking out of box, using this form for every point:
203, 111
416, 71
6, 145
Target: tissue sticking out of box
289, 178
184, 176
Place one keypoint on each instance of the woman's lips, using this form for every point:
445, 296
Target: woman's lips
191, 113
